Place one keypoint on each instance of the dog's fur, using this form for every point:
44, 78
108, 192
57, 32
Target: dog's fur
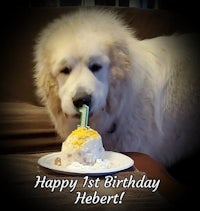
144, 93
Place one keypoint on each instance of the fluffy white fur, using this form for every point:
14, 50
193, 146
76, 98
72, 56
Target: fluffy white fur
144, 97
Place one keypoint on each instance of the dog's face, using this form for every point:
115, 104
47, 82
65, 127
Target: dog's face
80, 59
82, 73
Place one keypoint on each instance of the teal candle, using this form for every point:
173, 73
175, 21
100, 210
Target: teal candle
84, 114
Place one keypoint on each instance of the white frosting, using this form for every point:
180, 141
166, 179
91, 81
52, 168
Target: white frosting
86, 153
99, 164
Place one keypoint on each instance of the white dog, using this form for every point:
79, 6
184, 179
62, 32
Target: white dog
143, 95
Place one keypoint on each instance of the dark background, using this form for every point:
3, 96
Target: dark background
11, 31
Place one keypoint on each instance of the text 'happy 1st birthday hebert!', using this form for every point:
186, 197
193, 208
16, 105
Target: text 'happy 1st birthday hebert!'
93, 197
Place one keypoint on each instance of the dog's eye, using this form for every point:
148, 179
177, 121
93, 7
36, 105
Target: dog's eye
66, 70
95, 67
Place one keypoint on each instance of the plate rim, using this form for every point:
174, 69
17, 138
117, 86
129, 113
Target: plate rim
92, 172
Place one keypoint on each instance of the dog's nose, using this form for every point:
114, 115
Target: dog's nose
81, 98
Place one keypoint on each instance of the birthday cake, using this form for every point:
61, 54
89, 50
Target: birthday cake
83, 146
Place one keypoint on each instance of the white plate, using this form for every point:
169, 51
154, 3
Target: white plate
118, 162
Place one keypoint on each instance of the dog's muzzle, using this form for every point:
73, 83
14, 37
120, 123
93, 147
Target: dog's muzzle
82, 98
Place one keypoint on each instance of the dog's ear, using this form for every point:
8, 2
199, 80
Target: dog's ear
120, 71
120, 60
44, 82
47, 89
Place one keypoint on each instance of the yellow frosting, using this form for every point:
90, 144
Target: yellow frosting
79, 136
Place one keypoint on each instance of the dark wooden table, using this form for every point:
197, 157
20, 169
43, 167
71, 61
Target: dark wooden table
20, 173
